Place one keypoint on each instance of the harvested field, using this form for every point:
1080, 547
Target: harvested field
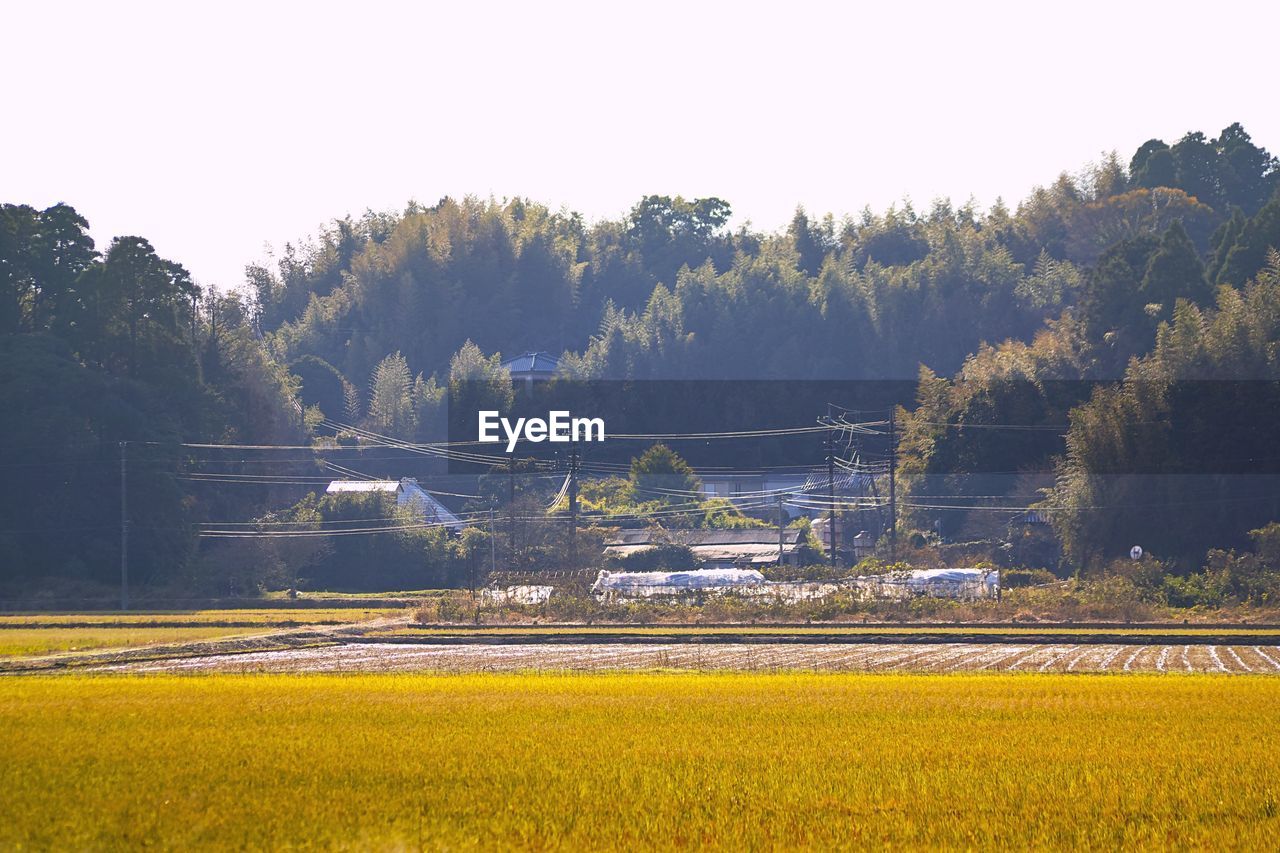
746, 657
976, 629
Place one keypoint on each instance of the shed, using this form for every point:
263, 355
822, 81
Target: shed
714, 548
409, 494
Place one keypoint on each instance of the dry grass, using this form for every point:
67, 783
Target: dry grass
652, 761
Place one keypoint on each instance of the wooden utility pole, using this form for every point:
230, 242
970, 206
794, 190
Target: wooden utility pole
893, 485
831, 489
511, 508
573, 505
124, 526
782, 527
493, 546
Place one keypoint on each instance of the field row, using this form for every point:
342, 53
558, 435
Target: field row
842, 629
754, 657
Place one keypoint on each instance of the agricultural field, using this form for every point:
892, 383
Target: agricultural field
417, 630
362, 657
23, 642
639, 760
23, 635
248, 618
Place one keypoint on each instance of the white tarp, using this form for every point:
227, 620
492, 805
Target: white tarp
793, 591
934, 583
645, 584
522, 594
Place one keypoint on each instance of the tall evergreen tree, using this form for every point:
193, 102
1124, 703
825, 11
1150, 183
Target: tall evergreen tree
1175, 272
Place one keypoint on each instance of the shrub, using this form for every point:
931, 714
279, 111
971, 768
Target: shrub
1014, 578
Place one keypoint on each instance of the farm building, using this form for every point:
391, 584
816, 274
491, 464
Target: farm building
408, 495
715, 549
652, 584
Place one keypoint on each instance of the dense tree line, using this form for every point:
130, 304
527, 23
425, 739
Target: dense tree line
1088, 304
98, 348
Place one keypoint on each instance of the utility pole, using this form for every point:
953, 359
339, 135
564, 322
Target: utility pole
511, 508
124, 526
573, 505
782, 526
893, 489
493, 547
831, 489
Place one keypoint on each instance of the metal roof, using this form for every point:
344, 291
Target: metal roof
844, 482
532, 362
362, 486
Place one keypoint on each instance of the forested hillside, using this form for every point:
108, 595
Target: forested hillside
1085, 305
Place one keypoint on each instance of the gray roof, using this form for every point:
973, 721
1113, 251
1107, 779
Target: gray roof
532, 362
363, 486
693, 538
844, 482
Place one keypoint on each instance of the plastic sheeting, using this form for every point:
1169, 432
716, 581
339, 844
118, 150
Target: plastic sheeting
931, 583
646, 584
522, 594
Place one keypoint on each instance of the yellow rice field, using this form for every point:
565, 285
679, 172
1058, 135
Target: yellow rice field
23, 642
639, 760
24, 635
265, 617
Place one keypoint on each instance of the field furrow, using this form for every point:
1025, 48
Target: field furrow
746, 657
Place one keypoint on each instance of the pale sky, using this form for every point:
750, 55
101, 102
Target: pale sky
216, 131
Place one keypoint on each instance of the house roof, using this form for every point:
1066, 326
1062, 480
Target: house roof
362, 486
843, 482
432, 509
532, 362
1031, 516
